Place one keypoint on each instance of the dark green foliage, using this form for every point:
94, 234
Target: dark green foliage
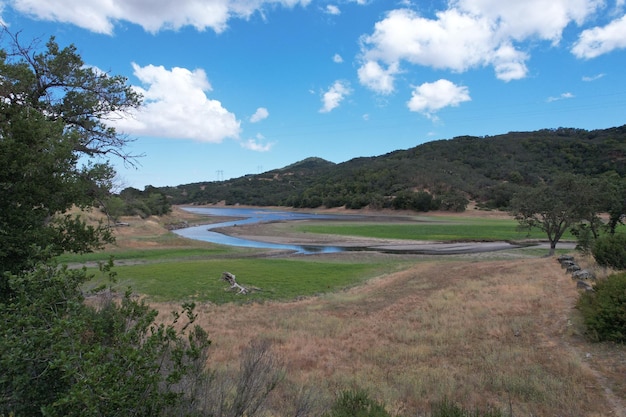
610, 250
62, 356
604, 309
51, 111
418, 201
489, 170
356, 404
133, 202
553, 207
446, 408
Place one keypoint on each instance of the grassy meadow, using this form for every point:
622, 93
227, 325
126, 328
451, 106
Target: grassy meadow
269, 279
445, 229
483, 330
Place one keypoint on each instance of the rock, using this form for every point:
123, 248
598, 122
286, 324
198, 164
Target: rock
573, 268
583, 274
583, 285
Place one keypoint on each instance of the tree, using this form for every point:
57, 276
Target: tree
613, 189
59, 354
53, 112
552, 207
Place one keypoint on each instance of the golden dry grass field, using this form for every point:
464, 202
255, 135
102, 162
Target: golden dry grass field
475, 330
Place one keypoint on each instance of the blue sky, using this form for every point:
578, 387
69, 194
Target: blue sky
236, 87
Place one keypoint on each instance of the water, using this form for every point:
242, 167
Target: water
250, 216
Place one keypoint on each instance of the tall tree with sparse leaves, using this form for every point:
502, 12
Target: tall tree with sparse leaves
54, 144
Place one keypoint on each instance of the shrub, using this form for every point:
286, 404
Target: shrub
604, 310
356, 404
610, 250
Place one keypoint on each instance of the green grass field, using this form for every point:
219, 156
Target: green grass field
277, 279
432, 229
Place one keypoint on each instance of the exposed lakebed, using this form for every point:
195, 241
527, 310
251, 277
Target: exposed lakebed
252, 216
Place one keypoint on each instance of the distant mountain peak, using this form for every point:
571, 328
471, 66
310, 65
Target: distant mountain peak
312, 163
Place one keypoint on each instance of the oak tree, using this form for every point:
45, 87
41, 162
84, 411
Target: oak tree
551, 207
54, 145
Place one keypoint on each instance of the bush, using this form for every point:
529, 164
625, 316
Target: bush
356, 404
610, 250
604, 310
62, 356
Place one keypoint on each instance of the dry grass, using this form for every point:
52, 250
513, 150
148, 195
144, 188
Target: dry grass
476, 331
491, 332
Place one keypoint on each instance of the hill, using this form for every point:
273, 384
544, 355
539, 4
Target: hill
442, 174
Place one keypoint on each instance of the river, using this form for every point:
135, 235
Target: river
250, 216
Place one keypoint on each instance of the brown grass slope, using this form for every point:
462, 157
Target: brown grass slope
478, 331
490, 332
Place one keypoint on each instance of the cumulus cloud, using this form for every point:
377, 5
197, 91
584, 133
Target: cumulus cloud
260, 114
601, 40
429, 98
176, 106
468, 34
337, 59
256, 144
561, 97
375, 77
334, 96
101, 16
332, 9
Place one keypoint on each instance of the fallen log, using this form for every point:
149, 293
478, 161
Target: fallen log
231, 279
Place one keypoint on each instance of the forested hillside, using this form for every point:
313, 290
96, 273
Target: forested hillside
442, 174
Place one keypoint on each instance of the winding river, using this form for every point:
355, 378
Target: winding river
250, 216
243, 216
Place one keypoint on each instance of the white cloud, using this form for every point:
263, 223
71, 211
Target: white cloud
176, 106
334, 96
377, 78
521, 20
337, 59
468, 34
101, 16
509, 63
429, 98
260, 114
332, 9
257, 145
561, 97
601, 40
593, 77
